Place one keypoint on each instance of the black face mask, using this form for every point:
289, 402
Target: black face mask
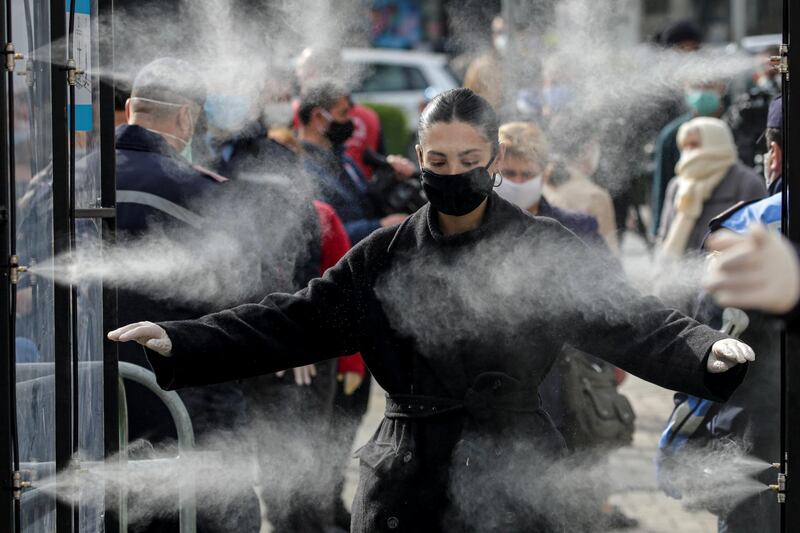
457, 194
339, 132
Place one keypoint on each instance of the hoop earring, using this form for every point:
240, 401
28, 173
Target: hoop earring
494, 178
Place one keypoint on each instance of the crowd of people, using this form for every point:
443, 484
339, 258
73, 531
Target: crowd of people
474, 406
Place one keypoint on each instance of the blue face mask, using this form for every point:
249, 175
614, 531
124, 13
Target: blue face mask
227, 112
557, 97
704, 103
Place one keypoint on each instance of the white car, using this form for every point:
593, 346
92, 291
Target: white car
400, 78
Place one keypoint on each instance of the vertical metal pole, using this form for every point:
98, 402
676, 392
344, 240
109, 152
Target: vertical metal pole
7, 385
108, 186
12, 251
790, 379
64, 386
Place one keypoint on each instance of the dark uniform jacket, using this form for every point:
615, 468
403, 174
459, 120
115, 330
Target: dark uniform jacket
460, 345
157, 190
341, 185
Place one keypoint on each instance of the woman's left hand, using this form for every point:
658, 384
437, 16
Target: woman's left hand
727, 353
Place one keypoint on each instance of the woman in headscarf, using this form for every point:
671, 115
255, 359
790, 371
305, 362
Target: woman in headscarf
708, 180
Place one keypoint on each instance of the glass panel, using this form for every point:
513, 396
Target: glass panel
87, 110
34, 320
90, 380
88, 237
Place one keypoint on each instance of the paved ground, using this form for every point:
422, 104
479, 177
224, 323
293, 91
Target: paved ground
655, 511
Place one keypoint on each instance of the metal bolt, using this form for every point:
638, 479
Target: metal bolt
15, 269
11, 57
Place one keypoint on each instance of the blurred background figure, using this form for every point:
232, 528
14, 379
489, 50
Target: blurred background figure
702, 100
709, 179
682, 35
324, 128
158, 192
571, 186
485, 74
526, 169
564, 390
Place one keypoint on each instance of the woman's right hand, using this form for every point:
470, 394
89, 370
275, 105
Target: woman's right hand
147, 334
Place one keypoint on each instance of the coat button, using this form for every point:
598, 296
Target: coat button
407, 457
393, 522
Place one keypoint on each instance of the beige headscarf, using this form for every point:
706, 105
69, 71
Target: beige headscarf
699, 171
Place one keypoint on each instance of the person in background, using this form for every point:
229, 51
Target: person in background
268, 185
704, 100
324, 128
525, 172
749, 110
316, 65
683, 36
709, 179
773, 157
485, 73
525, 169
238, 141
751, 417
158, 190
557, 92
571, 186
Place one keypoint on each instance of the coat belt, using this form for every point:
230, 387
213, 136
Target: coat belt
490, 393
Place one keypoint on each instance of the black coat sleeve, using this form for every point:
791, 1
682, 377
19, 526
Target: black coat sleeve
320, 322
637, 333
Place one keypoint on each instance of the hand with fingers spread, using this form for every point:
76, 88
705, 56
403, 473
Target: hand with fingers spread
756, 270
147, 334
726, 354
302, 374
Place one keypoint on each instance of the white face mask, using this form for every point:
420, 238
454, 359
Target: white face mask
524, 194
767, 161
186, 152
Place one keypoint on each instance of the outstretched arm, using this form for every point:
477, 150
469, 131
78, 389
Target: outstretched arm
640, 335
282, 331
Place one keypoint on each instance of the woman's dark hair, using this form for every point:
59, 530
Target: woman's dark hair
461, 105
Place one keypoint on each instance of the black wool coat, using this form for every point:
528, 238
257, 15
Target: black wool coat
459, 330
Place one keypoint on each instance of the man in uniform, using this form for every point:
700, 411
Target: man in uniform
160, 193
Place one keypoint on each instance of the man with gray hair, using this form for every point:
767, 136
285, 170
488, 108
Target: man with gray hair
167, 98
160, 192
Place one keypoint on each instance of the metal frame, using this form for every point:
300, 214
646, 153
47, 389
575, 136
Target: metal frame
114, 504
64, 216
66, 513
6, 338
790, 378
187, 505
43, 373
